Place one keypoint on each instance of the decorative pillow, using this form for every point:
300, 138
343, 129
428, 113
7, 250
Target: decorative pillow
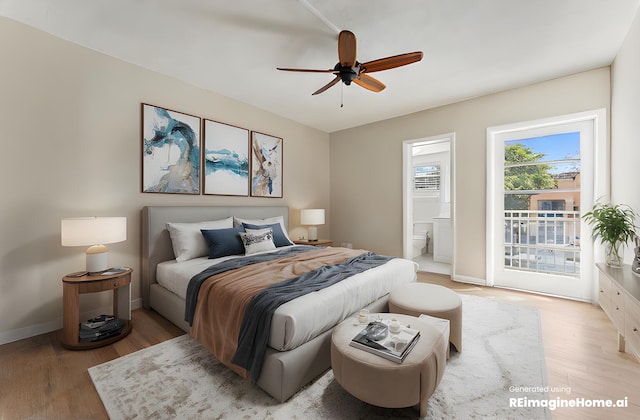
238, 221
257, 240
279, 238
187, 241
223, 242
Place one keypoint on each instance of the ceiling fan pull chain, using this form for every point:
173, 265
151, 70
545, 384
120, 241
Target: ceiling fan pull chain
342, 96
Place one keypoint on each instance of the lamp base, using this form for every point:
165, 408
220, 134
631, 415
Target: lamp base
313, 233
97, 259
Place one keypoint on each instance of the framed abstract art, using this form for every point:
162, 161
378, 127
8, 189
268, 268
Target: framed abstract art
266, 165
170, 151
226, 159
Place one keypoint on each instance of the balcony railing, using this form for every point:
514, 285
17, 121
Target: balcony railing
546, 241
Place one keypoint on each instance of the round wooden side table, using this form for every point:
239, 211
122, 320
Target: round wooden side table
73, 287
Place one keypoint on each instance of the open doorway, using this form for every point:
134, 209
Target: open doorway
428, 202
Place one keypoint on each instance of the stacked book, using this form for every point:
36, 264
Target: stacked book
376, 339
100, 328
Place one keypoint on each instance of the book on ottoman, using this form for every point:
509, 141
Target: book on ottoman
395, 346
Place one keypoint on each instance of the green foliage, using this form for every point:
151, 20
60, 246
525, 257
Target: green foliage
613, 223
527, 177
519, 153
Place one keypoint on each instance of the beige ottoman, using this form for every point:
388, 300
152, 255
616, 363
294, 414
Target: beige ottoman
381, 382
422, 298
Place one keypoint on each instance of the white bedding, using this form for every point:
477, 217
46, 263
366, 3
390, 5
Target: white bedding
302, 319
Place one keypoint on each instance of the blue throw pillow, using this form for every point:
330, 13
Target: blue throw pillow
223, 242
279, 238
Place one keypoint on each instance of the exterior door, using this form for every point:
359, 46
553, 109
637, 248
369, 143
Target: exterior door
541, 181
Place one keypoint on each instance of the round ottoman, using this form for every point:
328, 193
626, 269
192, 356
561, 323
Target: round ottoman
381, 382
430, 299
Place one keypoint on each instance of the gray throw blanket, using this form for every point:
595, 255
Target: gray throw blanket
256, 324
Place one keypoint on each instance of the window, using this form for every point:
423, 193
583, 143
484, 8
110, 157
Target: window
426, 178
551, 205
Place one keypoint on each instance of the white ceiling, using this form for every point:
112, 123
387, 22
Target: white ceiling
471, 48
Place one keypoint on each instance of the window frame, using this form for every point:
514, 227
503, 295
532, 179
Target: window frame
428, 192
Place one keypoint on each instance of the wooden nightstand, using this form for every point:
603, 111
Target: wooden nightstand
319, 242
120, 283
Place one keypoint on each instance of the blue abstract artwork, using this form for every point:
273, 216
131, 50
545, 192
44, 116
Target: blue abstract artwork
170, 151
226, 159
266, 165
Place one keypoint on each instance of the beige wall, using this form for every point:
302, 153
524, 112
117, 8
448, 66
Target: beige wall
625, 124
70, 136
366, 163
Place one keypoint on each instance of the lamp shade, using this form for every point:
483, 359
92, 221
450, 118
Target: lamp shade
94, 232
312, 217
85, 231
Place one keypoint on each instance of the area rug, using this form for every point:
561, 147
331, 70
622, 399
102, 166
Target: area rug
502, 364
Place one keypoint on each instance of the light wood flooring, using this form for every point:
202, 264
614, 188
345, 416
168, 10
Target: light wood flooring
41, 380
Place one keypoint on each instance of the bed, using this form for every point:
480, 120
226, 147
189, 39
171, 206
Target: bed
293, 358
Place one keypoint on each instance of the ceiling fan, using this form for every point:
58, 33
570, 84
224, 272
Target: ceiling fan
349, 70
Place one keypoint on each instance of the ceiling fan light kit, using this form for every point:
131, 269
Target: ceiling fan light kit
348, 69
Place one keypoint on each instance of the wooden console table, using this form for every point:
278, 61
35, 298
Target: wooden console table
619, 297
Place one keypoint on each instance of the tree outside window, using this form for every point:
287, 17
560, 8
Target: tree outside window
522, 173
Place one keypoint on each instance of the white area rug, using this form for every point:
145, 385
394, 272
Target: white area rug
502, 354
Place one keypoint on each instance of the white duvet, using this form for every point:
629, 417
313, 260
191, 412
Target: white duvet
302, 319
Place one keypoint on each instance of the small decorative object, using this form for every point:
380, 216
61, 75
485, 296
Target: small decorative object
615, 225
377, 331
312, 218
394, 326
170, 151
635, 266
398, 344
226, 159
363, 316
266, 165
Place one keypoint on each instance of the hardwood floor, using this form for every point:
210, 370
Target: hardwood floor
41, 380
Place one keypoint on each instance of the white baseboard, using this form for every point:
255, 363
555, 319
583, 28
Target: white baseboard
30, 331
136, 304
467, 279
56, 324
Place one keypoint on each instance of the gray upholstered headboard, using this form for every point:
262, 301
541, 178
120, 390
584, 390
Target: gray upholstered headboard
156, 243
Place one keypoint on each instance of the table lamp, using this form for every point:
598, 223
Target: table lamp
312, 218
94, 232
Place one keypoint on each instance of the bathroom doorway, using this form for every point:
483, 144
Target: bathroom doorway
428, 202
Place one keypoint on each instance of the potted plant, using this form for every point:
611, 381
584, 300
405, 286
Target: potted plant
615, 225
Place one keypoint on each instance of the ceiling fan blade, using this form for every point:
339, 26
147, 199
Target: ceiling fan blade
369, 82
391, 62
306, 70
327, 86
347, 48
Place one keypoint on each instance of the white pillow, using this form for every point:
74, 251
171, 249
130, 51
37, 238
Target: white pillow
257, 240
238, 221
187, 240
